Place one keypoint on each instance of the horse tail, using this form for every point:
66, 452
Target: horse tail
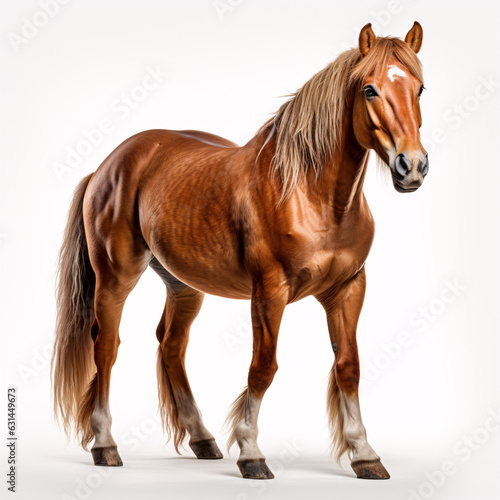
73, 359
169, 412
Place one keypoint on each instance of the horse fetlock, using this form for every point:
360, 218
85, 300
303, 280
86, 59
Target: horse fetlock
362, 451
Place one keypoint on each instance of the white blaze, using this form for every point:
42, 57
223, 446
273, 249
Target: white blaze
394, 71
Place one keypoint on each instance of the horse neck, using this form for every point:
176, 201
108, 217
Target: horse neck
339, 185
342, 183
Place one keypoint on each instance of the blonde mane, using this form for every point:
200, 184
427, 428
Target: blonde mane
308, 127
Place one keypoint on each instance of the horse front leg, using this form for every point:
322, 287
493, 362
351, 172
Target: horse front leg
268, 304
348, 432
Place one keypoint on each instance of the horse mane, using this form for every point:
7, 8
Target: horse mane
308, 127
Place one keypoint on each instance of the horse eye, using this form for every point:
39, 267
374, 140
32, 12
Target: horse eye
370, 92
421, 90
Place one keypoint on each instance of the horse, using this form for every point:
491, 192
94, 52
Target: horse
279, 219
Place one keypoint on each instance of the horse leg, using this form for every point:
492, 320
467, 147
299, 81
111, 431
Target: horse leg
115, 279
348, 431
177, 404
267, 311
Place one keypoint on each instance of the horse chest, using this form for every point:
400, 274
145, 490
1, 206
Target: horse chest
329, 260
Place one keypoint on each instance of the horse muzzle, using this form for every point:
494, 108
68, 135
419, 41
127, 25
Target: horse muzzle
408, 172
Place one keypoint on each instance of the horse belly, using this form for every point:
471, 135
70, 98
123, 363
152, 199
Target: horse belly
216, 278
203, 258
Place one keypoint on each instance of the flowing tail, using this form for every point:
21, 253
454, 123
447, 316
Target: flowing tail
73, 368
169, 412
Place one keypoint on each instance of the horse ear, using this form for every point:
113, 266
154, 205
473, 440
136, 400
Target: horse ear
366, 39
414, 37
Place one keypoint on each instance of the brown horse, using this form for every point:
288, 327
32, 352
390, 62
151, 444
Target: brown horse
276, 220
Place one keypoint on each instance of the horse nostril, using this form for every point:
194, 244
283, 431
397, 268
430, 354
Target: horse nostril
402, 165
423, 166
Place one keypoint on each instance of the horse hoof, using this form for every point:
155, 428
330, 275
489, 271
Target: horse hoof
370, 470
206, 449
107, 456
255, 469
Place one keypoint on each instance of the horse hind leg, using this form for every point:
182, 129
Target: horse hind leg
114, 282
180, 414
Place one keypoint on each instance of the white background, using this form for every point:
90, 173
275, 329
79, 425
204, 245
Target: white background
226, 72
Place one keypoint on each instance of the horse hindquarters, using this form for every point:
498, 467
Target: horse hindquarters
91, 293
118, 259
